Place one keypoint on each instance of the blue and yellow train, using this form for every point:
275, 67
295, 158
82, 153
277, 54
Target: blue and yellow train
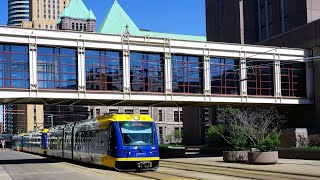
120, 141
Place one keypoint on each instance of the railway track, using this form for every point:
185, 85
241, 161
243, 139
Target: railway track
188, 171
235, 172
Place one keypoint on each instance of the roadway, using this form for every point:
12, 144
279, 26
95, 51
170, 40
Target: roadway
23, 166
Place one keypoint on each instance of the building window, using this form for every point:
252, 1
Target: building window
39, 26
144, 112
187, 76
146, 72
103, 70
176, 116
260, 77
293, 79
57, 68
46, 26
161, 134
14, 66
128, 111
85, 27
224, 74
73, 26
181, 116
77, 26
97, 112
113, 111
160, 115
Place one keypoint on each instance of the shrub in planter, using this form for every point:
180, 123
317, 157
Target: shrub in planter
236, 138
266, 153
250, 127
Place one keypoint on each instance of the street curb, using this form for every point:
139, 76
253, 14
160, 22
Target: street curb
250, 169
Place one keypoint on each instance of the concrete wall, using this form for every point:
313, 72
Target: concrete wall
313, 10
196, 121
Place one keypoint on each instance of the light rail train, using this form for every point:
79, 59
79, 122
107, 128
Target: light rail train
125, 142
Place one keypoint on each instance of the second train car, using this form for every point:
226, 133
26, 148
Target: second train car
126, 142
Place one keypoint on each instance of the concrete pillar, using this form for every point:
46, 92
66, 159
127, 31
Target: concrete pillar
309, 80
33, 66
167, 73
316, 86
126, 70
241, 22
277, 77
243, 74
81, 69
193, 126
206, 75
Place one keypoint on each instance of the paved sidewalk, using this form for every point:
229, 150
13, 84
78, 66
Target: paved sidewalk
285, 166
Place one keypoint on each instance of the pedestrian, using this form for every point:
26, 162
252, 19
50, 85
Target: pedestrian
2, 143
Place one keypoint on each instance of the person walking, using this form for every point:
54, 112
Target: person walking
3, 143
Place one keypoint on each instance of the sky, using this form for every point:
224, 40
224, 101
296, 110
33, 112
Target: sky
168, 16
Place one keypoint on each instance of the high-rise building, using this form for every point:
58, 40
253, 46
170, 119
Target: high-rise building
45, 13
18, 11
1, 127
262, 19
8, 118
23, 118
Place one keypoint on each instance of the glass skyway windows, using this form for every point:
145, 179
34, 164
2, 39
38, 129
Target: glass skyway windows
187, 74
260, 77
293, 79
103, 70
14, 66
57, 68
146, 72
224, 74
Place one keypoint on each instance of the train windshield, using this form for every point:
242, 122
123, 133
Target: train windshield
137, 133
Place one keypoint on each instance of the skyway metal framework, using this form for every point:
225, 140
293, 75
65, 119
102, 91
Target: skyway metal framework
126, 44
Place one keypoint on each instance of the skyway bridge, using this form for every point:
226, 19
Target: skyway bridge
39, 66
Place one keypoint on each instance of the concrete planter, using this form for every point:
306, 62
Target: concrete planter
235, 156
299, 153
172, 152
257, 157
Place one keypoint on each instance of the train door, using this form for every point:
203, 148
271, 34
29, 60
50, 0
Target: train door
87, 144
112, 146
91, 147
